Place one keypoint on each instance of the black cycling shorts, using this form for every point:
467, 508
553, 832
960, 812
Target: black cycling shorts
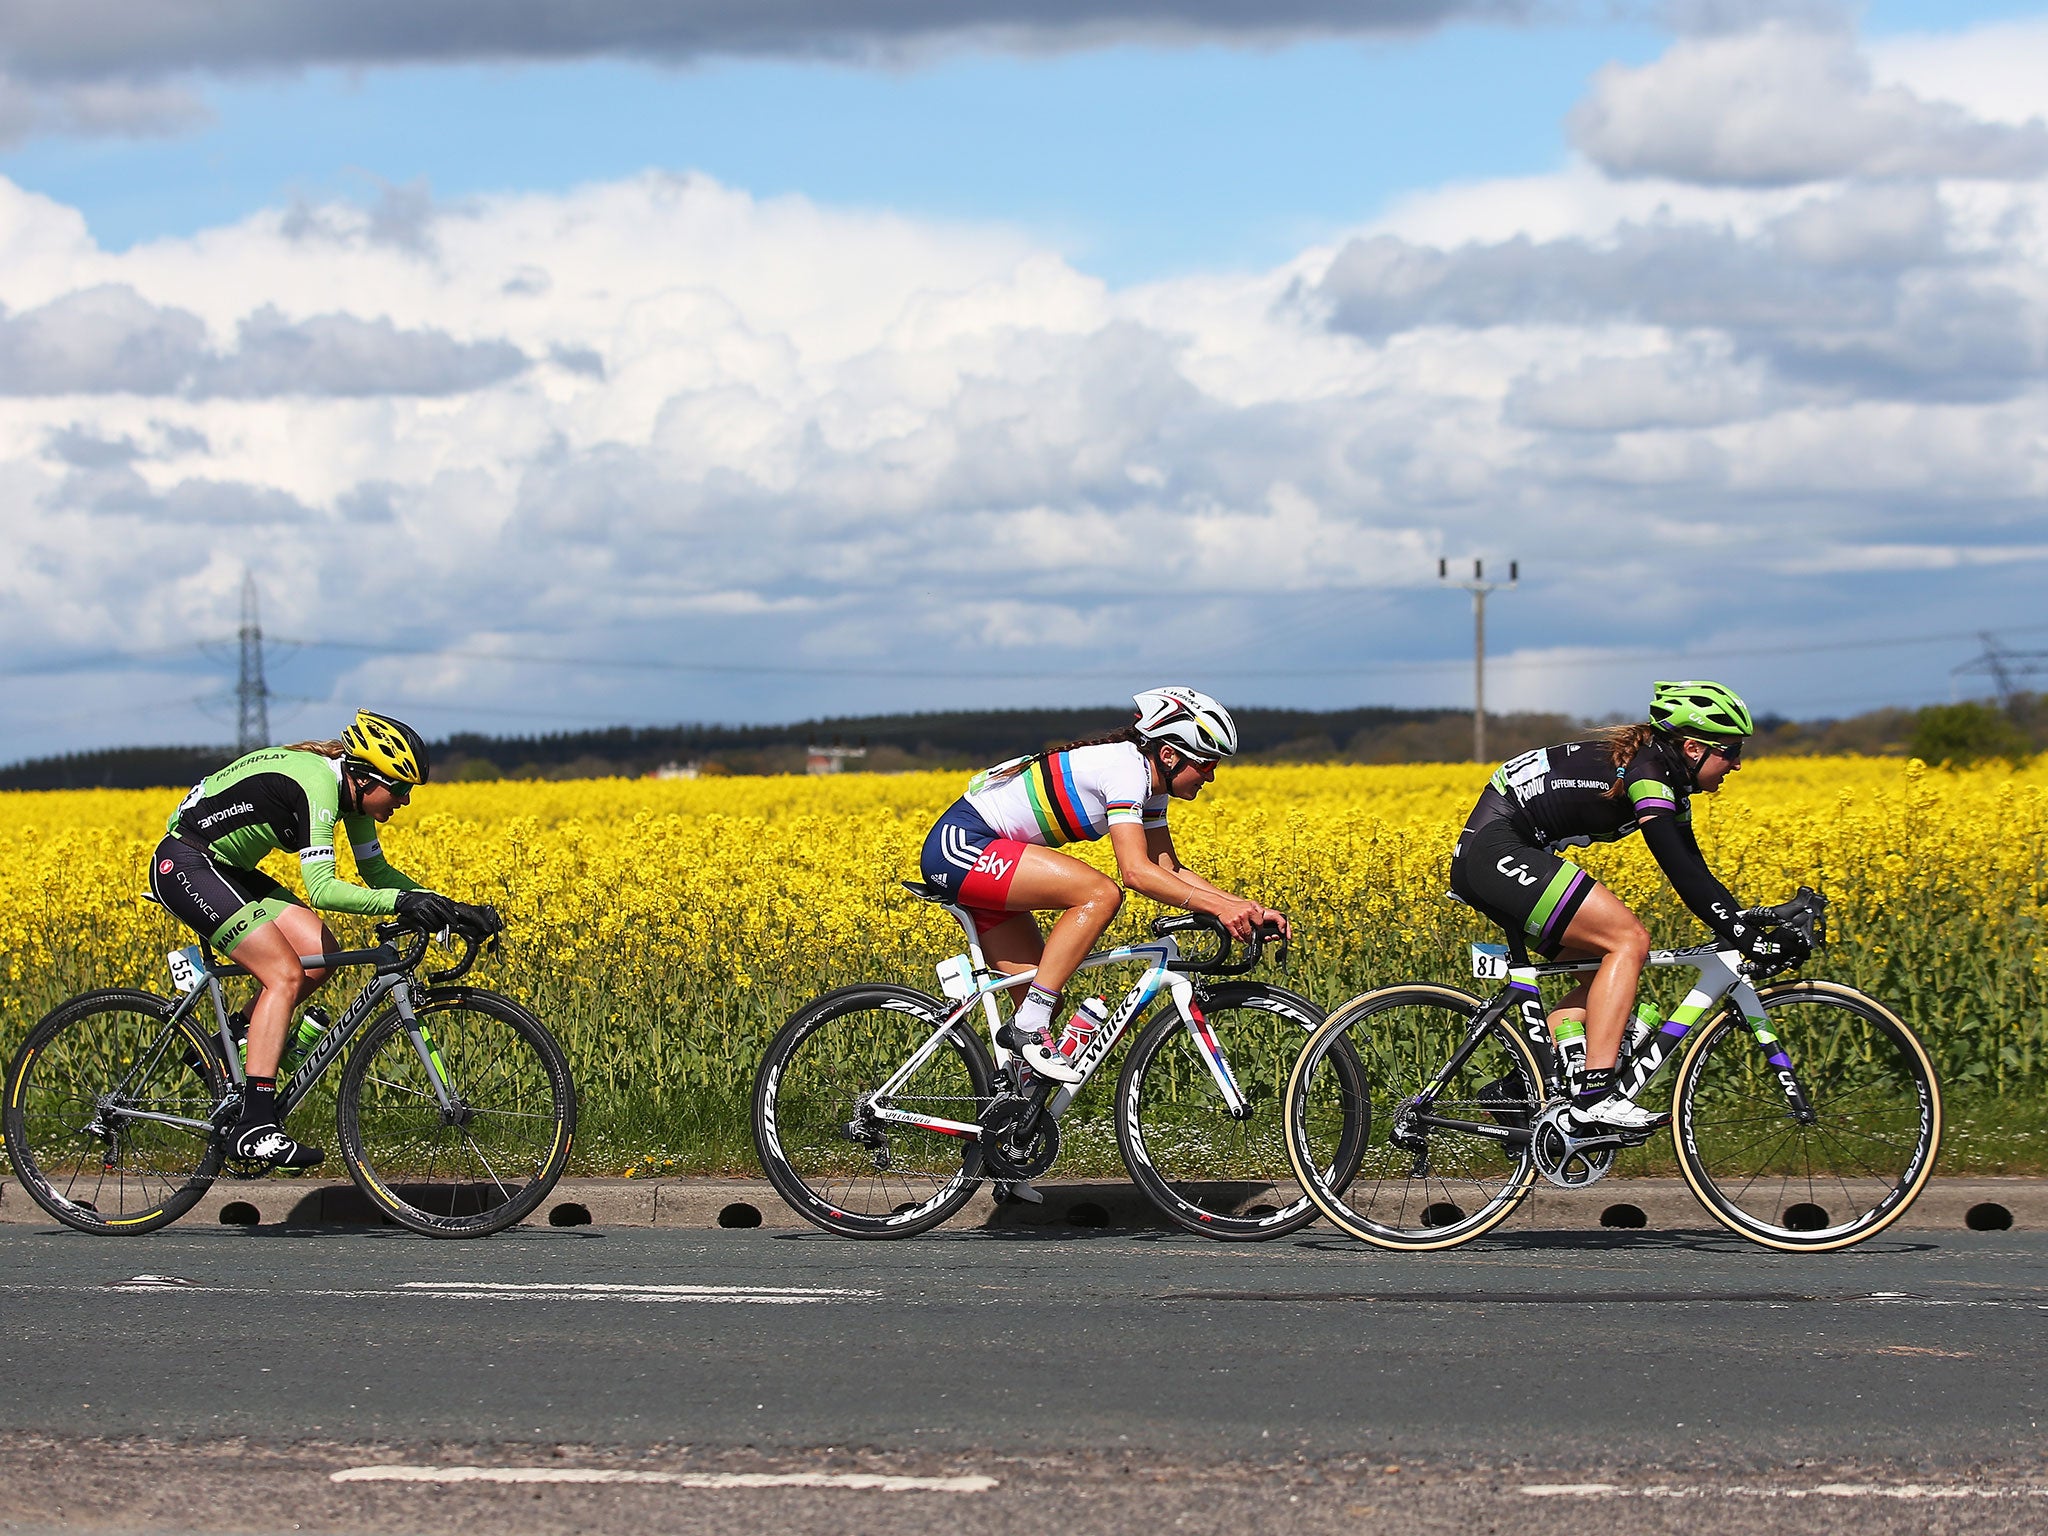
218, 901
1516, 881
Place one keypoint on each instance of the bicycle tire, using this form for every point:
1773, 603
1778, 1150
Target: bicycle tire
1808, 1189
486, 1164
818, 1070
141, 1175
1208, 1173
1458, 1185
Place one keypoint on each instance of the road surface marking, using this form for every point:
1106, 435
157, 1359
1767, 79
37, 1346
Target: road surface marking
1822, 1491
491, 1290
874, 1481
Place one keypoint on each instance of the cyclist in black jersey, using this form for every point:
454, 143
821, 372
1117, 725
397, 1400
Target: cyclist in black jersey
1625, 779
205, 872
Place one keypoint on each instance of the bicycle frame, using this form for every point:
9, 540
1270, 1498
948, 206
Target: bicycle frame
1158, 976
1720, 979
390, 981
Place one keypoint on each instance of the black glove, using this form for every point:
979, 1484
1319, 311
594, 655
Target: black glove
480, 921
430, 910
1776, 948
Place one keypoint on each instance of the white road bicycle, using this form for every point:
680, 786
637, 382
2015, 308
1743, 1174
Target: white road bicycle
878, 1109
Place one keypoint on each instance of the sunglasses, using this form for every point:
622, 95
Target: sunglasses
400, 791
1732, 750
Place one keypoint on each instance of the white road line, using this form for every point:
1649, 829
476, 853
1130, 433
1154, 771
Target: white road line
487, 1290
1823, 1491
871, 1481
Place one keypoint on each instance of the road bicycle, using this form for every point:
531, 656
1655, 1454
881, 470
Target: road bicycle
879, 1109
455, 1112
1468, 1103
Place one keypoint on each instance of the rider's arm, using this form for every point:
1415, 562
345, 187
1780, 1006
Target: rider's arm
1146, 863
376, 870
1677, 852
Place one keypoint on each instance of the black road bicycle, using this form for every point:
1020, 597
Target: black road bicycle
1806, 1114
455, 1111
878, 1110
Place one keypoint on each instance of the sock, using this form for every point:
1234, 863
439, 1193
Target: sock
1599, 1082
1035, 1016
259, 1101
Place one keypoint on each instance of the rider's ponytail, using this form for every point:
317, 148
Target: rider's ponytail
1624, 742
1011, 770
324, 748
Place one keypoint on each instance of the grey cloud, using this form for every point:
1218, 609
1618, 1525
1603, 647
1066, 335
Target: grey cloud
584, 360
110, 340
115, 39
118, 490
83, 449
1866, 319
1783, 105
1632, 394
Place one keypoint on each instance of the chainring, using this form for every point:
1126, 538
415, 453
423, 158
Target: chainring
1568, 1161
1001, 1156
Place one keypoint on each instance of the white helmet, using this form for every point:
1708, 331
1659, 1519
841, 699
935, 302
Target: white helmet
1192, 721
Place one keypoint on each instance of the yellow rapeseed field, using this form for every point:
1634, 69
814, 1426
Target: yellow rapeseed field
666, 928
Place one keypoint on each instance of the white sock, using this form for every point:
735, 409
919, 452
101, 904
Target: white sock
1035, 1016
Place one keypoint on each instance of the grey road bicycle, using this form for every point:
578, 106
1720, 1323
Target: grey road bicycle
455, 1111
1806, 1114
878, 1109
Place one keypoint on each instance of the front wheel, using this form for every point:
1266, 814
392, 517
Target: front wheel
820, 1142
459, 1124
1224, 1177
1865, 1154
108, 1113
1436, 1169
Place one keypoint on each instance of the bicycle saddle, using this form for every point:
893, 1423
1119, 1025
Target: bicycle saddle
926, 892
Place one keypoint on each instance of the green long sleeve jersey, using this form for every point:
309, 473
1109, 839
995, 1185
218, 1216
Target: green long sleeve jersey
281, 799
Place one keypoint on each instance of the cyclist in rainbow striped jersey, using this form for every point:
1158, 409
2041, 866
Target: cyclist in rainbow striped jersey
995, 851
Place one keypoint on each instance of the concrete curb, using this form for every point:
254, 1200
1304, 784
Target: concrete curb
1947, 1205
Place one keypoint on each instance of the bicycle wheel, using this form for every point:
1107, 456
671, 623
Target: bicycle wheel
485, 1159
1416, 1186
835, 1164
1225, 1178
74, 1092
1855, 1169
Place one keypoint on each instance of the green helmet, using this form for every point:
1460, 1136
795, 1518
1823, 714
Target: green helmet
1699, 709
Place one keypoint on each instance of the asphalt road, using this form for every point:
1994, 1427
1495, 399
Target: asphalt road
1698, 1381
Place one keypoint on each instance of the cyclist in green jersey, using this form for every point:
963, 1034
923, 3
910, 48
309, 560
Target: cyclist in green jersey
290, 798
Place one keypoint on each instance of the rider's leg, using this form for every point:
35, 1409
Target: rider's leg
270, 952
1088, 900
1603, 926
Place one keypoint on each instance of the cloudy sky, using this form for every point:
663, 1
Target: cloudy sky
656, 360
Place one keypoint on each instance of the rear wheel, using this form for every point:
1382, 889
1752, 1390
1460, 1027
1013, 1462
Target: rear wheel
1429, 1176
1869, 1149
488, 1156
1227, 1178
80, 1092
819, 1141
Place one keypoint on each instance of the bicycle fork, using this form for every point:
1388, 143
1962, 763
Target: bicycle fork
1719, 981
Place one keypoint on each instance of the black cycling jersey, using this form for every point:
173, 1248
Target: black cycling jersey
1559, 797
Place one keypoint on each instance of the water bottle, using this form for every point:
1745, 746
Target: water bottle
1571, 1052
1645, 1024
1088, 1017
312, 1025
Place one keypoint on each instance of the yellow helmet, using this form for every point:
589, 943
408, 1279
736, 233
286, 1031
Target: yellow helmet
389, 748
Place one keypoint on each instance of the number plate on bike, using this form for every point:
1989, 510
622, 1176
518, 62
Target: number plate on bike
185, 971
1490, 962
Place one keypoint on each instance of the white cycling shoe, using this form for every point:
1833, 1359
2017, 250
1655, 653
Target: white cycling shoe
1616, 1115
1039, 1054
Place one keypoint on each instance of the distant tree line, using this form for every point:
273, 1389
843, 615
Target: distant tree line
1954, 733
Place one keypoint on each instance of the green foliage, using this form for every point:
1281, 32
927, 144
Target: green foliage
1961, 735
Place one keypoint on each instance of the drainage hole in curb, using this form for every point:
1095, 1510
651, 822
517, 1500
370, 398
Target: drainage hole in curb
570, 1213
1805, 1217
1443, 1213
1624, 1215
240, 1213
740, 1214
1086, 1213
1989, 1216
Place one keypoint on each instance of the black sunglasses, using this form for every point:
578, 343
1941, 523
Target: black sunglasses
1732, 750
400, 790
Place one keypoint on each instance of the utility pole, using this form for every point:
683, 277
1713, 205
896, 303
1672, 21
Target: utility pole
252, 694
1479, 586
